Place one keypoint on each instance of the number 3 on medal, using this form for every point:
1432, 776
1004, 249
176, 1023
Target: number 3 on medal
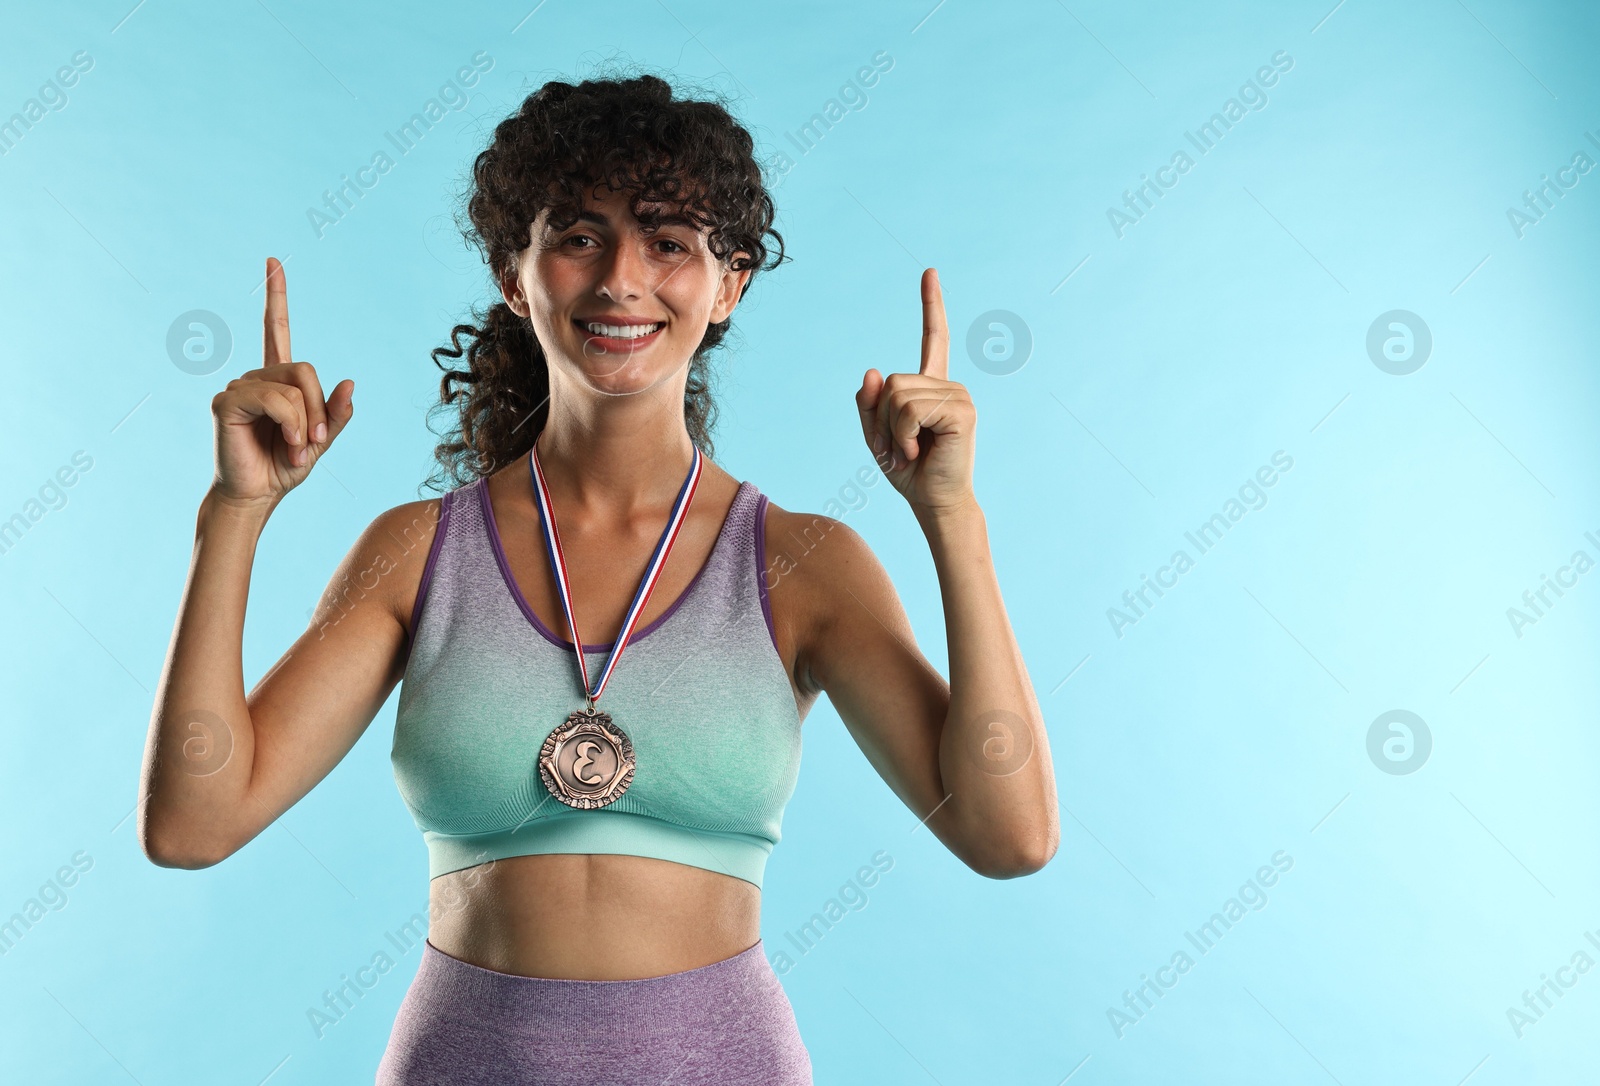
586, 750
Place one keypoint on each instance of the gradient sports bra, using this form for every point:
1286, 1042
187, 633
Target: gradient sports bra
701, 691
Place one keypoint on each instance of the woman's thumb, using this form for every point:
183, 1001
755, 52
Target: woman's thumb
341, 407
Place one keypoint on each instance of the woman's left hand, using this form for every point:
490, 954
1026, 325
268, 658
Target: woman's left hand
920, 426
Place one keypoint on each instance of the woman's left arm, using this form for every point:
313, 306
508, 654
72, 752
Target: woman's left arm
974, 755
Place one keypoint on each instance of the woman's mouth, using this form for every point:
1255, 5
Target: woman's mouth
618, 337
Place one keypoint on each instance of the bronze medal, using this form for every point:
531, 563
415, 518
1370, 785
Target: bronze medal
588, 761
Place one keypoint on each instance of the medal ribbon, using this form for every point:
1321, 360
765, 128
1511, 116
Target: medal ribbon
652, 573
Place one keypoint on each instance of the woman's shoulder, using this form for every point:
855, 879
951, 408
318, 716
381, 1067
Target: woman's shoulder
822, 580
819, 556
388, 558
409, 526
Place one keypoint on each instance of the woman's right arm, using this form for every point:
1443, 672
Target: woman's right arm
220, 766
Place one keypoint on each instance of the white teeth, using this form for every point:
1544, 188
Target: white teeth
622, 331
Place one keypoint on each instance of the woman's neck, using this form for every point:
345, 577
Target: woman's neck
612, 458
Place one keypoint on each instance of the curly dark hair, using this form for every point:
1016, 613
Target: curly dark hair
688, 155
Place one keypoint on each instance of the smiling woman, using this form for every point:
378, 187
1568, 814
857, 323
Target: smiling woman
598, 811
534, 198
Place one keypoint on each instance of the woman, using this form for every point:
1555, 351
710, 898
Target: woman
598, 821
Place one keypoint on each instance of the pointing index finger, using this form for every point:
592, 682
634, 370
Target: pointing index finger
935, 334
275, 322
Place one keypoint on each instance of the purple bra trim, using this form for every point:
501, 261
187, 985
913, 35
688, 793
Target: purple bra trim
533, 619
427, 570
761, 572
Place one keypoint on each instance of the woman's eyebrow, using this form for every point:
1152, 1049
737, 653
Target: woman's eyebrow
674, 219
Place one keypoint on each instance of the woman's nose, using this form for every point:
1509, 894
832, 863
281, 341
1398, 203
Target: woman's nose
624, 274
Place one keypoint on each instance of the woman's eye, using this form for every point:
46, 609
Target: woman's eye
584, 241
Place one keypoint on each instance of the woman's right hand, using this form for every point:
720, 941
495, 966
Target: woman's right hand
272, 424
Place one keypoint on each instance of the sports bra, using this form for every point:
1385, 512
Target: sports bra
701, 691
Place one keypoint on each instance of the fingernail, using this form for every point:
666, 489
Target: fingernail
879, 444
321, 432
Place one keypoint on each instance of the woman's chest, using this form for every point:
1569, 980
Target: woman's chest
710, 726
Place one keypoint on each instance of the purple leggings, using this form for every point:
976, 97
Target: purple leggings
724, 1023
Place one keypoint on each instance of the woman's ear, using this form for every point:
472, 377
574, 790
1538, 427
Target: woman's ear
730, 290
511, 291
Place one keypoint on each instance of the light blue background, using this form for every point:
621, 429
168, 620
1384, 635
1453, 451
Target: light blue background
1228, 324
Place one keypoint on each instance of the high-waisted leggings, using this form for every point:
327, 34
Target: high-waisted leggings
724, 1023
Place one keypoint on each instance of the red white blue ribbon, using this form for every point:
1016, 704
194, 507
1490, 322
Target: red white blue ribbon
652, 573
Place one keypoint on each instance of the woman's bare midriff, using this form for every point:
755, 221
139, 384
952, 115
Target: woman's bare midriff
592, 917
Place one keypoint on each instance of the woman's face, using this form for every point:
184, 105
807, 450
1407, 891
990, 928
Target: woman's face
619, 307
